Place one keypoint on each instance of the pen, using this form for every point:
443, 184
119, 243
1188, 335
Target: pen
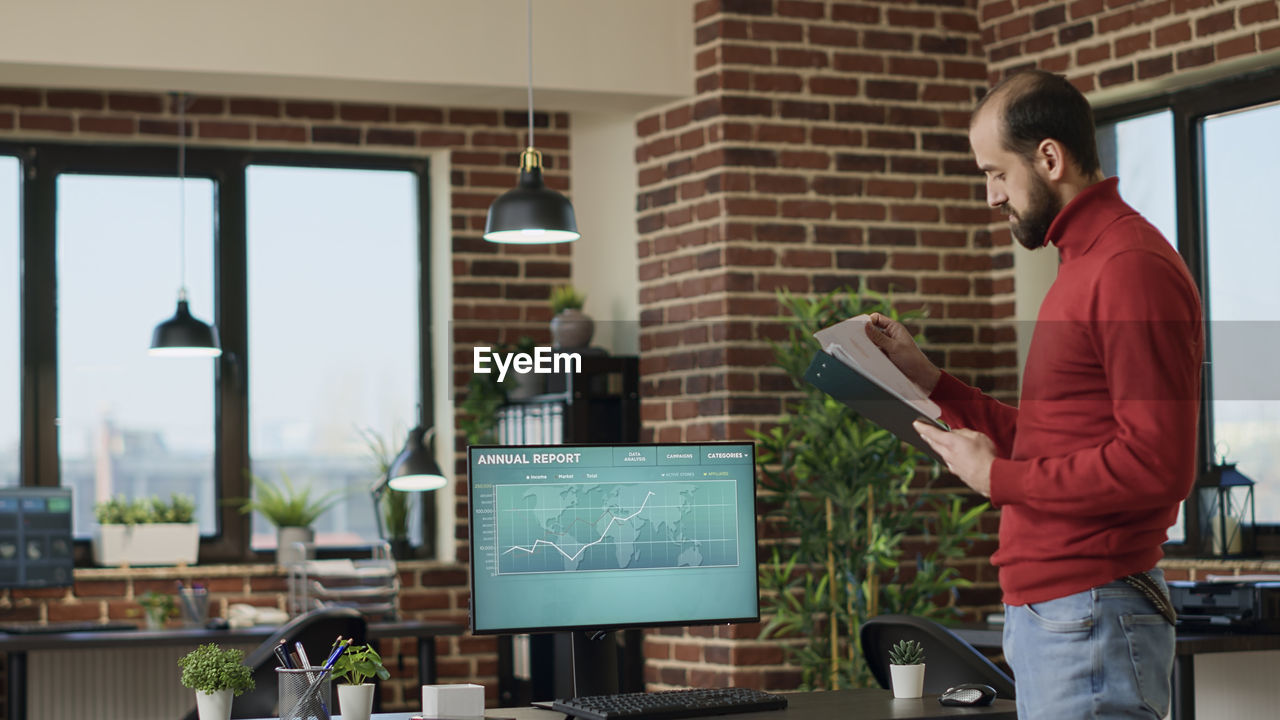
283, 656
306, 664
319, 678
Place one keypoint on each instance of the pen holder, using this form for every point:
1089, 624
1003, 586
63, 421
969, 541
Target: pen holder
194, 604
298, 699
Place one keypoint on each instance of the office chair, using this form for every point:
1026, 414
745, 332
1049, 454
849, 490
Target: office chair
316, 631
948, 659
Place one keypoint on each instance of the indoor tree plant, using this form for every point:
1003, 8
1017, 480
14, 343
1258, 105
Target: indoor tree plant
216, 675
292, 510
150, 531
394, 505
839, 489
353, 671
570, 327
906, 668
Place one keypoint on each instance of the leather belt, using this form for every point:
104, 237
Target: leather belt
1147, 585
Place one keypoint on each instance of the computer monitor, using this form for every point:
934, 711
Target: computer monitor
600, 537
35, 537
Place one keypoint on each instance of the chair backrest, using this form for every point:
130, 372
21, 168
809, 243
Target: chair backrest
316, 631
948, 659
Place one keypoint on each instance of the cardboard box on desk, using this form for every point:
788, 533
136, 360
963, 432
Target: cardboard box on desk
458, 700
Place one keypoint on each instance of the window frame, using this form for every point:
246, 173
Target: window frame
41, 164
1189, 108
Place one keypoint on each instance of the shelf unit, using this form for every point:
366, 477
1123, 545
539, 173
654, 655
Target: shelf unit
599, 405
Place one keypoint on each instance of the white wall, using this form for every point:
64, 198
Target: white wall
587, 53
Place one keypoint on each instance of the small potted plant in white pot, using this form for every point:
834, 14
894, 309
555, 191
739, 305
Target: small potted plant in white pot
906, 667
292, 511
217, 676
353, 671
570, 327
148, 531
157, 609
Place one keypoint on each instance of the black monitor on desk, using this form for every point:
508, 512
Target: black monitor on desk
35, 537
589, 538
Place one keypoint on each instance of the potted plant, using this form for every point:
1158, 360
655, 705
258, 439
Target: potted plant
148, 531
292, 510
216, 675
353, 671
394, 505
906, 668
847, 500
157, 608
570, 327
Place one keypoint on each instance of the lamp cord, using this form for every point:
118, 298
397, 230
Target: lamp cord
529, 26
182, 189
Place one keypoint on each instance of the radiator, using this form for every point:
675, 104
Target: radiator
108, 684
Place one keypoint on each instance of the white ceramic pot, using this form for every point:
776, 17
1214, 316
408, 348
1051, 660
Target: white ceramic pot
146, 544
215, 705
355, 702
908, 680
291, 544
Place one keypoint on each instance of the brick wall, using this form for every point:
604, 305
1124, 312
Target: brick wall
826, 146
500, 291
1108, 44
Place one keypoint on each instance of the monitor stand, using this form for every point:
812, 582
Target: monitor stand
593, 663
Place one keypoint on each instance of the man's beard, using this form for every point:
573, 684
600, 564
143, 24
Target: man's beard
1031, 227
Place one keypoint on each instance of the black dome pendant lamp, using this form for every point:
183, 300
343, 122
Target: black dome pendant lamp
531, 213
183, 335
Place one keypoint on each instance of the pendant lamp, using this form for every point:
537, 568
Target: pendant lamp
531, 213
183, 335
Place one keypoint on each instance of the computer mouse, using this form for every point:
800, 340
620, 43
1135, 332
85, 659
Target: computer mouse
968, 694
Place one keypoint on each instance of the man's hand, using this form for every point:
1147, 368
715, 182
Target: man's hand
967, 453
896, 343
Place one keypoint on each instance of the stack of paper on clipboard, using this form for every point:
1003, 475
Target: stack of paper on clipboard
854, 371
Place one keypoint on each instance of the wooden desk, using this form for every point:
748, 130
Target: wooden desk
836, 705
17, 646
1189, 644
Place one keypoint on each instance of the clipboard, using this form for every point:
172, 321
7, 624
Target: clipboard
870, 399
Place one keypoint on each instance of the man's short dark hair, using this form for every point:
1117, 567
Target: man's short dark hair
1039, 105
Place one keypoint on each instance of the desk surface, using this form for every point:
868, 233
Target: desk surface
837, 705
1188, 642
196, 636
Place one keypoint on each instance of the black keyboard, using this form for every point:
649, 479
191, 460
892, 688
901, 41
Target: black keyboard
31, 627
670, 704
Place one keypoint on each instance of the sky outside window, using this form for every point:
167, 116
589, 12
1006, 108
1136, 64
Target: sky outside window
333, 327
130, 424
10, 305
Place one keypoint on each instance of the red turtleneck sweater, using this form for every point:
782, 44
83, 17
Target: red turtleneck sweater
1093, 462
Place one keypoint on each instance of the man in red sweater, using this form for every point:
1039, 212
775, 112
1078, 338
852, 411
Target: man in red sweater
1089, 469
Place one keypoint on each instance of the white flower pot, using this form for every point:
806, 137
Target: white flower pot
146, 544
355, 702
288, 550
908, 680
215, 705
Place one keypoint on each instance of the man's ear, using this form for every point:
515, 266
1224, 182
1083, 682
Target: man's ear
1052, 159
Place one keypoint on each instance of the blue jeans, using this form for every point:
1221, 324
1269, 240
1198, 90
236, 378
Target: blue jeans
1101, 653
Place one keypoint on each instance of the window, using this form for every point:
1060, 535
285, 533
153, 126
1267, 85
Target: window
130, 424
10, 340
1202, 161
312, 267
333, 318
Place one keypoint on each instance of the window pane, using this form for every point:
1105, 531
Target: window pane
1242, 171
1139, 151
10, 340
131, 424
333, 324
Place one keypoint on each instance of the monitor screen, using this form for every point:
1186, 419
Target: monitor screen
35, 537
611, 536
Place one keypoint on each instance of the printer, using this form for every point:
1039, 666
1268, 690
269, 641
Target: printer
1240, 606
